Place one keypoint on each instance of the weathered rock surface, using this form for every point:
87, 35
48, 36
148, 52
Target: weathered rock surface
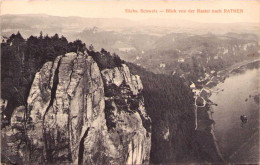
78, 114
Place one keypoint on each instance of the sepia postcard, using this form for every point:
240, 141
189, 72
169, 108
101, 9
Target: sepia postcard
130, 82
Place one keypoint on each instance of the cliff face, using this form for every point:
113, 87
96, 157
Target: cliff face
181, 127
79, 114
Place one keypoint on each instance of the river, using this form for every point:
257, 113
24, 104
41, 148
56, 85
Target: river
235, 97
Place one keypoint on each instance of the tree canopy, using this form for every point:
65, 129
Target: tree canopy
22, 58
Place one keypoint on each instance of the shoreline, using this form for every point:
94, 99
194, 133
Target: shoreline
222, 75
205, 106
236, 69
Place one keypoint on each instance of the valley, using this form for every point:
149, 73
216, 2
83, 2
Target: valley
113, 90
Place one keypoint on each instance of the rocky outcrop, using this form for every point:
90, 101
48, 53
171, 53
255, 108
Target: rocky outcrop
78, 114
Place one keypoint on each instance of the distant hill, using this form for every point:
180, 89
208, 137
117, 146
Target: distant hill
32, 24
159, 45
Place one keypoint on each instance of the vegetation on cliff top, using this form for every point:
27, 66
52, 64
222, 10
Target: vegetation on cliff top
22, 58
169, 102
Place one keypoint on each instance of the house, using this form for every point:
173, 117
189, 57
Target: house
126, 49
180, 60
162, 65
4, 39
192, 86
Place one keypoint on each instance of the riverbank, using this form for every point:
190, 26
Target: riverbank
204, 111
220, 76
237, 96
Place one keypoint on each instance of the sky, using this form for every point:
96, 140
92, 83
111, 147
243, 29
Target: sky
111, 9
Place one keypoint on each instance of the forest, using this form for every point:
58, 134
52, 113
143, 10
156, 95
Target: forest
170, 103
22, 58
168, 99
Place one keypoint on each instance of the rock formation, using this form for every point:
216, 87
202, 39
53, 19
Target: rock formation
77, 113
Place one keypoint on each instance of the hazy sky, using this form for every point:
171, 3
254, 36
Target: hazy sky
109, 9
